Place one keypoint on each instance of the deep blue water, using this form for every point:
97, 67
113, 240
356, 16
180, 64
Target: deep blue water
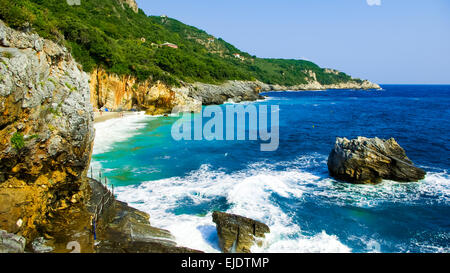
181, 182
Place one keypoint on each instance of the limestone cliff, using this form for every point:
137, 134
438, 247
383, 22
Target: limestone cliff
124, 93
47, 203
131, 3
46, 137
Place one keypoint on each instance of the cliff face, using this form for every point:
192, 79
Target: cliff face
126, 93
46, 136
131, 3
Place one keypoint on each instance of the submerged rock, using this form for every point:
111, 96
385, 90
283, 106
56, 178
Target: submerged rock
11, 243
368, 161
236, 233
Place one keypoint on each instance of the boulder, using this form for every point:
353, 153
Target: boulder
40, 245
238, 234
370, 160
11, 243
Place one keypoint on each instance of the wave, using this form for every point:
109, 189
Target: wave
251, 193
109, 132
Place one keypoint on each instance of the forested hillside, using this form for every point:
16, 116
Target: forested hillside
109, 34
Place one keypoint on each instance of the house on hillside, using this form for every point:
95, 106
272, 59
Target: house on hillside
211, 39
238, 56
170, 45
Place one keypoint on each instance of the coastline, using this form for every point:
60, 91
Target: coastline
101, 117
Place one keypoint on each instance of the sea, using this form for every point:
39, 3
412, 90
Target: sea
181, 182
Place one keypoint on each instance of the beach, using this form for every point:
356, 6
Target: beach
110, 115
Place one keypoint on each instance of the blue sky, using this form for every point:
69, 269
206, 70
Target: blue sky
388, 41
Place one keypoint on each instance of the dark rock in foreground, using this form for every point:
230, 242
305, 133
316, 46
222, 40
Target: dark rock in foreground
369, 161
123, 229
236, 233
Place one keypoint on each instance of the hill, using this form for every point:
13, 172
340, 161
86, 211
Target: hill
120, 38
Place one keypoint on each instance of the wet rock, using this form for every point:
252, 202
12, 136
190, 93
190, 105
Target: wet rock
11, 243
238, 234
39, 245
123, 229
370, 160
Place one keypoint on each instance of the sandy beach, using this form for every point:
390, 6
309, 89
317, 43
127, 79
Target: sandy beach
110, 115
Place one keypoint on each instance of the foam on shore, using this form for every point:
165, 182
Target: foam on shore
251, 194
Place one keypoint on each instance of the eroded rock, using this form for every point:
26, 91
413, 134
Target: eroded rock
370, 160
238, 234
46, 135
123, 229
11, 243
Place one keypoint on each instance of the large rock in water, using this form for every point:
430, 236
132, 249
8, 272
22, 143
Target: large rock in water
368, 161
236, 233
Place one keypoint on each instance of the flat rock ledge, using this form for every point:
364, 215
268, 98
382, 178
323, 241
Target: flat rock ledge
123, 229
238, 234
370, 160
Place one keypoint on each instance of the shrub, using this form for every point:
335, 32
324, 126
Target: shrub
17, 141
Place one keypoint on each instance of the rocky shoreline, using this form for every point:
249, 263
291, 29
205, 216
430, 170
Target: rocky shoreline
47, 202
125, 93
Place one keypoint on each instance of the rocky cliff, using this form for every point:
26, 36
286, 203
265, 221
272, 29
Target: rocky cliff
124, 93
131, 3
46, 137
47, 203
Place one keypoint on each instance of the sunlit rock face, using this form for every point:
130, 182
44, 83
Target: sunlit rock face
46, 136
132, 4
370, 160
125, 93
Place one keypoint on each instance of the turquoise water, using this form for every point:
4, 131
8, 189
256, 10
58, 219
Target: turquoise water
180, 183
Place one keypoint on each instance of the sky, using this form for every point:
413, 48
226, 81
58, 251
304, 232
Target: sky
385, 41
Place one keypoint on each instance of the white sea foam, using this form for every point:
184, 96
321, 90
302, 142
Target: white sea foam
250, 193
117, 130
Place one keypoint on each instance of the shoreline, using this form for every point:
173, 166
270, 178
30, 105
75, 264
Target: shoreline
105, 116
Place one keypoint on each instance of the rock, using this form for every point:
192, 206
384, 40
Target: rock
11, 243
132, 4
125, 93
39, 245
238, 234
46, 135
236, 91
368, 161
123, 229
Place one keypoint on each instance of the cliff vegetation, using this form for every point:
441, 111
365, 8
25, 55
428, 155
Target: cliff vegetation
120, 38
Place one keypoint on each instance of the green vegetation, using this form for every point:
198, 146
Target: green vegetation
55, 112
17, 141
7, 54
102, 33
